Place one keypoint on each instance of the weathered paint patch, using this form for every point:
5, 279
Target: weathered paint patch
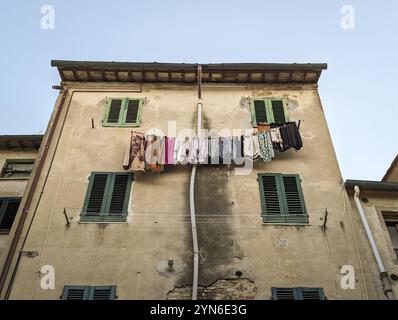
221, 289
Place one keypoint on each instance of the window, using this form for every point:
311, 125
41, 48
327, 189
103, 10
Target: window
391, 221
282, 199
298, 294
8, 210
123, 112
107, 197
268, 111
89, 293
20, 169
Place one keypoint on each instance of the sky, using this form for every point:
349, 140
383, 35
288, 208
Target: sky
359, 46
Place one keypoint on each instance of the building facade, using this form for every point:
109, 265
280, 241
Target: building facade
379, 202
17, 157
282, 229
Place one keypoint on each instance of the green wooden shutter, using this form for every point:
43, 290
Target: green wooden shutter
282, 199
107, 197
294, 204
268, 111
258, 111
119, 194
132, 112
114, 112
103, 293
8, 211
284, 294
270, 190
297, 294
76, 293
96, 194
278, 111
312, 294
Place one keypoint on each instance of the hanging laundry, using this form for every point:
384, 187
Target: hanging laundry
290, 135
169, 146
203, 150
276, 138
135, 155
237, 150
226, 149
251, 146
154, 153
264, 138
214, 150
181, 150
193, 150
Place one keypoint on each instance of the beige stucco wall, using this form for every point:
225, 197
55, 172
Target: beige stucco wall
131, 255
12, 187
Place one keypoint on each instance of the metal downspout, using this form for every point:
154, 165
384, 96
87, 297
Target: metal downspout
383, 273
192, 195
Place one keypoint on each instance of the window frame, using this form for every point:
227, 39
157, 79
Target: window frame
22, 160
3, 206
390, 216
88, 291
297, 292
123, 113
284, 217
104, 215
268, 109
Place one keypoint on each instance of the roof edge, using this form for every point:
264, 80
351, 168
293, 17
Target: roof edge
185, 66
368, 185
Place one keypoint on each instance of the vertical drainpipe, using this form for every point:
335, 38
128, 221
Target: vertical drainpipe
383, 273
192, 195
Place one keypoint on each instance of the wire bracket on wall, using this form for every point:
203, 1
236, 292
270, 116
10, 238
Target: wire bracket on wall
325, 219
66, 218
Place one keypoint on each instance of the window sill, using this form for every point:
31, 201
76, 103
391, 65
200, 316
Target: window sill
102, 219
122, 126
14, 178
300, 220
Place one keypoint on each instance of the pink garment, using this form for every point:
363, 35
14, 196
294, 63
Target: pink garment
169, 150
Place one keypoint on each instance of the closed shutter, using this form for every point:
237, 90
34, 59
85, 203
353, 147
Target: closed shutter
95, 201
114, 111
278, 111
283, 294
271, 197
132, 111
297, 294
107, 197
103, 293
8, 211
282, 199
118, 198
292, 195
312, 294
76, 293
260, 111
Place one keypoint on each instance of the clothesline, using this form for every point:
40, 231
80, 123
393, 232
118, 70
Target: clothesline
150, 152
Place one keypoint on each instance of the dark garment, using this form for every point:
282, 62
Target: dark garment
290, 135
242, 152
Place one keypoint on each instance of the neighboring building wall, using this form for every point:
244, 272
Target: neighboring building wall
12, 187
232, 238
374, 205
392, 172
